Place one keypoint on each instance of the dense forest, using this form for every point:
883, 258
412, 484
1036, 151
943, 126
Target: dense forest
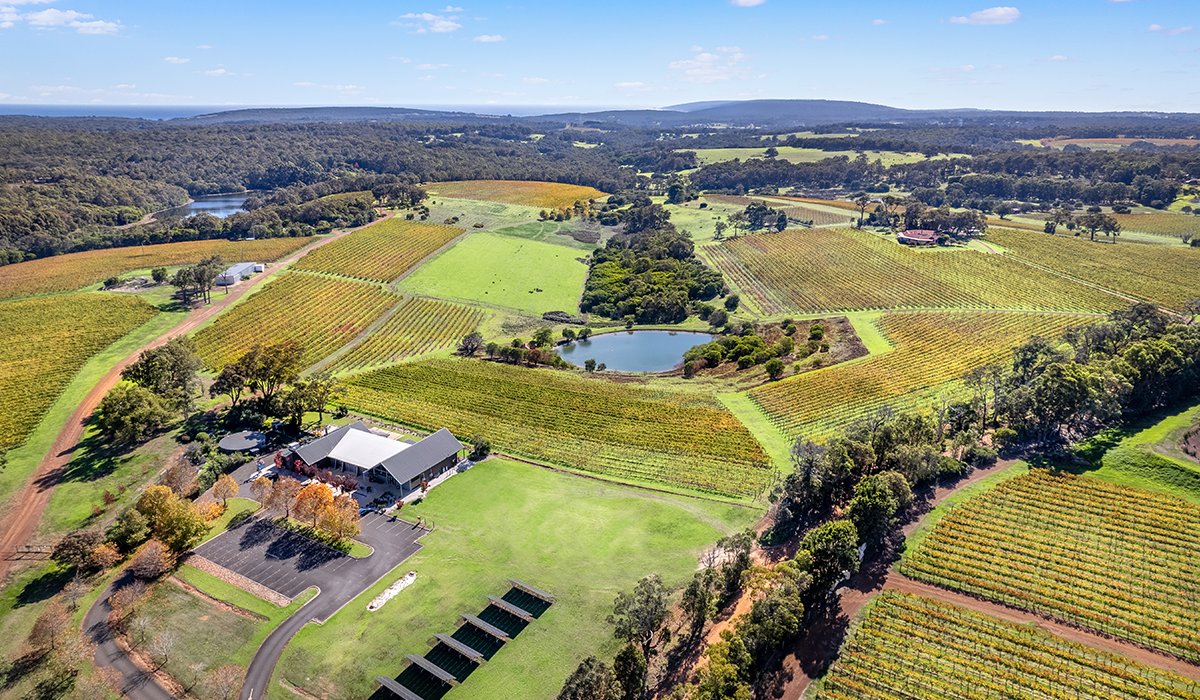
77, 184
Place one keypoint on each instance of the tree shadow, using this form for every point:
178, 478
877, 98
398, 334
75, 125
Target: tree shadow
94, 457
44, 587
23, 666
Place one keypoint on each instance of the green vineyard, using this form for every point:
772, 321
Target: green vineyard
605, 427
910, 647
321, 313
417, 327
1163, 274
1114, 558
57, 336
933, 349
380, 252
822, 270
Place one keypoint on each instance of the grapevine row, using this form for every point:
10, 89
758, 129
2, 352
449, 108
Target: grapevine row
417, 327
380, 252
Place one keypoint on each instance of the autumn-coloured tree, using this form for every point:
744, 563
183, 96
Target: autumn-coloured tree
311, 501
153, 561
105, 555
225, 488
180, 477
209, 509
340, 518
284, 495
225, 681
129, 597
261, 489
51, 626
153, 504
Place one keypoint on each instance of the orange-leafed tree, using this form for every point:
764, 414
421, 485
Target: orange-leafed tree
283, 497
261, 489
311, 501
225, 488
340, 518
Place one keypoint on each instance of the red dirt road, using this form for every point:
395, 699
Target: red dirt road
27, 505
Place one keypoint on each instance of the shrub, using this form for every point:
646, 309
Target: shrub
774, 368
951, 468
1005, 437
979, 456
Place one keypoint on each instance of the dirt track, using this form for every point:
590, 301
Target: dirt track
30, 501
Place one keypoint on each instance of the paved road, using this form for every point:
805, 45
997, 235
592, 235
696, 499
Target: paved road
135, 683
339, 578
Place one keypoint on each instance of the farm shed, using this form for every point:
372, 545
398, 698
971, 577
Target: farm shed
917, 237
234, 274
358, 450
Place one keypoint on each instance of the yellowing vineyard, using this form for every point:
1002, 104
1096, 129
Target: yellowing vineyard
48, 340
912, 647
618, 430
1114, 558
63, 273
381, 252
417, 327
821, 270
531, 194
1168, 275
322, 313
932, 350
1160, 224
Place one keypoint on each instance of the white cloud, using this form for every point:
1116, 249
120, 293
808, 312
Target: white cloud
96, 27
220, 72
712, 67
746, 3
536, 81
488, 38
204, 46
820, 37
432, 66
1062, 59
451, 8
52, 18
992, 15
627, 86
429, 22
124, 87
729, 49
401, 59
176, 59
879, 22
425, 77
1175, 31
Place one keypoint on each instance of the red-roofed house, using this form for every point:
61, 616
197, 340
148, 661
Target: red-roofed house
917, 237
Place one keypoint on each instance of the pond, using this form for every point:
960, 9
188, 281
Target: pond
634, 351
219, 205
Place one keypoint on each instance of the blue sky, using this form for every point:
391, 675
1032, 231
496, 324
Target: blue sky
1087, 55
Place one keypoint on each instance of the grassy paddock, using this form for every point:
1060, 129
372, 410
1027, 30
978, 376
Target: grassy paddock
532, 194
578, 539
506, 272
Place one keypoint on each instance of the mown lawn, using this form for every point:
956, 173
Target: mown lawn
504, 271
578, 539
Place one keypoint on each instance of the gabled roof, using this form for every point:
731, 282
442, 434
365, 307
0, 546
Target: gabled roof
410, 462
320, 448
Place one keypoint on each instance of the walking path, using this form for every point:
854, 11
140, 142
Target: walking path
29, 503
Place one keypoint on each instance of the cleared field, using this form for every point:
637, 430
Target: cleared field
619, 430
531, 194
793, 154
322, 313
819, 217
503, 271
912, 647
64, 273
579, 539
1168, 275
1117, 559
821, 270
931, 351
49, 340
380, 252
417, 327
1160, 224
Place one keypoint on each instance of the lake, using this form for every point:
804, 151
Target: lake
219, 205
634, 351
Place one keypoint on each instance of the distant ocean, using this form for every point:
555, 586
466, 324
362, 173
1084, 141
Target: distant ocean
176, 111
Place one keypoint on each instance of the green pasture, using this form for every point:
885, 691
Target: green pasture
793, 154
554, 232
492, 215
1143, 454
579, 539
503, 271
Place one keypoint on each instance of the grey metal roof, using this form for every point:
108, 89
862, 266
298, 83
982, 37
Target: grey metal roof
239, 270
397, 688
460, 647
320, 448
490, 629
421, 456
510, 608
432, 669
535, 592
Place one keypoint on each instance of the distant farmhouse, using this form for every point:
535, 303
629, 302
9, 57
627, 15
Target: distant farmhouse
356, 450
235, 274
917, 237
